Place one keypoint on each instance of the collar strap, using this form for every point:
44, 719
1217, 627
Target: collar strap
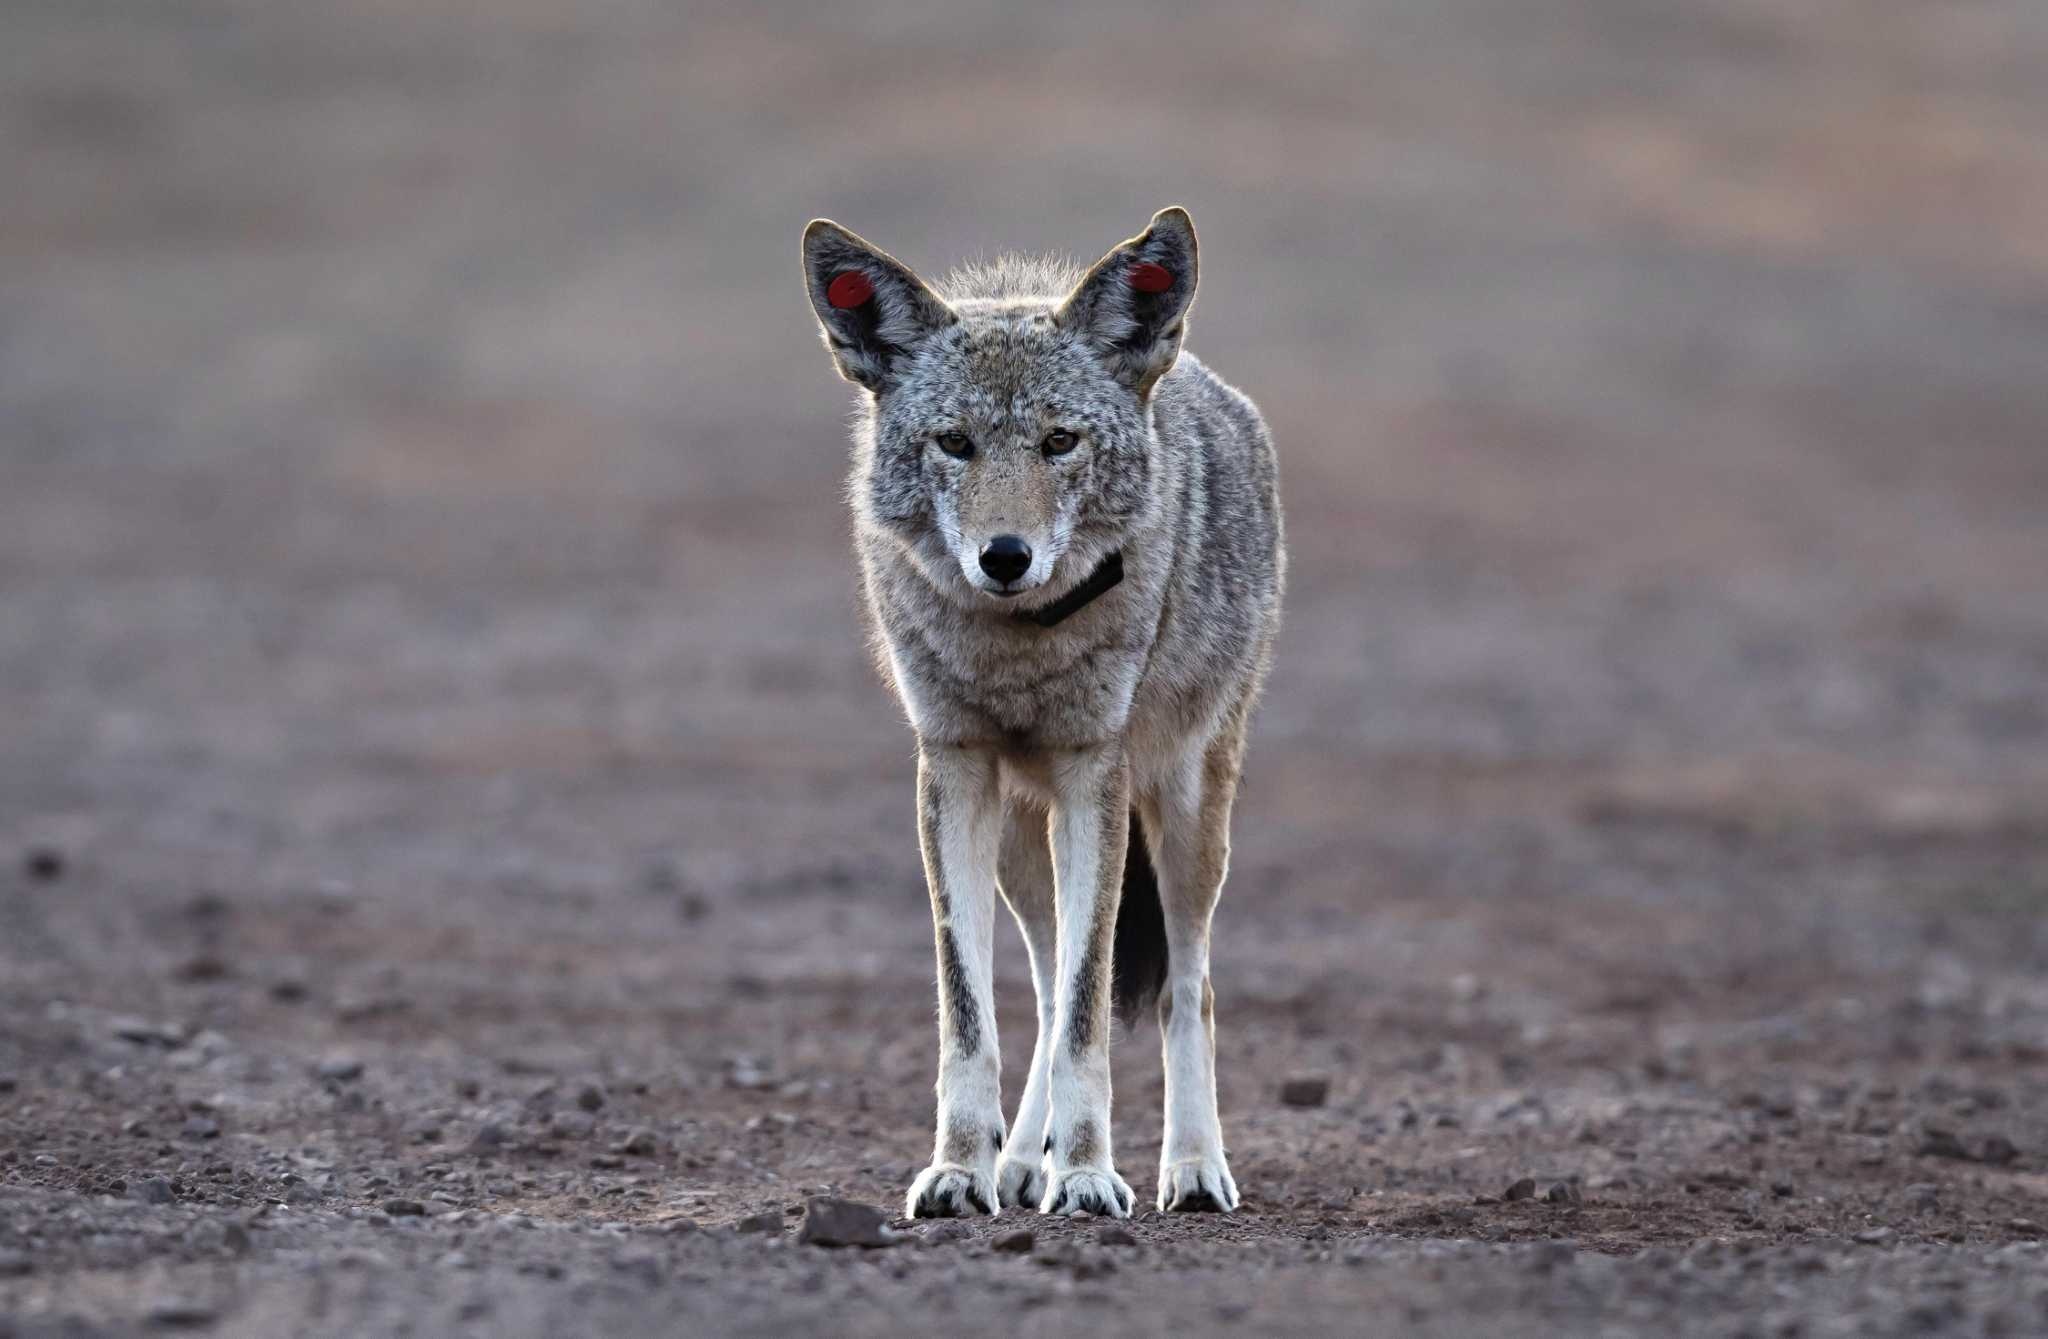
1100, 582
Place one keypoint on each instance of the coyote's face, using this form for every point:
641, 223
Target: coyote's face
1006, 441
1010, 444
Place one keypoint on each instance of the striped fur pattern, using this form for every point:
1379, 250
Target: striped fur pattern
1055, 409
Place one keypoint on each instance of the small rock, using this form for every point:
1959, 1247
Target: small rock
1109, 1234
572, 1125
946, 1232
647, 1266
1876, 1236
1305, 1091
749, 1074
234, 1237
201, 967
201, 1127
641, 1144
1563, 1192
607, 1162
288, 990
769, 1220
13, 1264
179, 1313
1017, 1241
154, 1190
371, 1006
489, 1136
837, 1222
2026, 1227
1939, 1143
1524, 1189
1084, 1265
43, 864
1997, 1150
404, 1208
590, 1097
142, 1032
339, 1068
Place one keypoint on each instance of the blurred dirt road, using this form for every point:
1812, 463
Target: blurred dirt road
459, 859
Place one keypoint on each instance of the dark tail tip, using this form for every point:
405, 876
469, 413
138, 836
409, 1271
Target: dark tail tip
1138, 961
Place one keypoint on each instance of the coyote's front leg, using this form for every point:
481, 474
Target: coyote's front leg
959, 816
1091, 823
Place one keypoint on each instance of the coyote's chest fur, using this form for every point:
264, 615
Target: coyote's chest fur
1070, 545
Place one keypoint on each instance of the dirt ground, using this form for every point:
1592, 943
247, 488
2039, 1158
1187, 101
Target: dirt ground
459, 866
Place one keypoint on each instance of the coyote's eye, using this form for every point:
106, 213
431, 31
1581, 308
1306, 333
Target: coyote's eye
1058, 442
955, 444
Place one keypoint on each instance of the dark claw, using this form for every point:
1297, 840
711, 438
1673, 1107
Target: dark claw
1196, 1201
938, 1203
1031, 1191
1091, 1202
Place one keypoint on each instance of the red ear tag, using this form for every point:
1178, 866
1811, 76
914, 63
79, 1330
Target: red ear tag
1149, 278
849, 289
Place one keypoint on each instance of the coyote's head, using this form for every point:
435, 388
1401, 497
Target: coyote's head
1008, 441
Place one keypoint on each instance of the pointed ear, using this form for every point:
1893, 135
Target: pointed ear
1133, 305
872, 308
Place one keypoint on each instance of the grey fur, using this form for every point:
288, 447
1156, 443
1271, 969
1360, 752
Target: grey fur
1143, 692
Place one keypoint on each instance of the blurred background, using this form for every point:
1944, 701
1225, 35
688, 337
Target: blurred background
425, 590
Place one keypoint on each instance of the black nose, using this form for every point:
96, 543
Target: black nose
1005, 557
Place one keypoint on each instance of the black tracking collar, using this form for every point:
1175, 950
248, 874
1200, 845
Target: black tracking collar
1100, 582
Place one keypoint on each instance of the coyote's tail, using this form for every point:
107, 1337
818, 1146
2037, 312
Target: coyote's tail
1138, 961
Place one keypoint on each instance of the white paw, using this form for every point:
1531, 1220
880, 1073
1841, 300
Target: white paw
1103, 1193
948, 1191
1020, 1182
1197, 1185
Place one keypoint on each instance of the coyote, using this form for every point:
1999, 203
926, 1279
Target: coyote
1070, 544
